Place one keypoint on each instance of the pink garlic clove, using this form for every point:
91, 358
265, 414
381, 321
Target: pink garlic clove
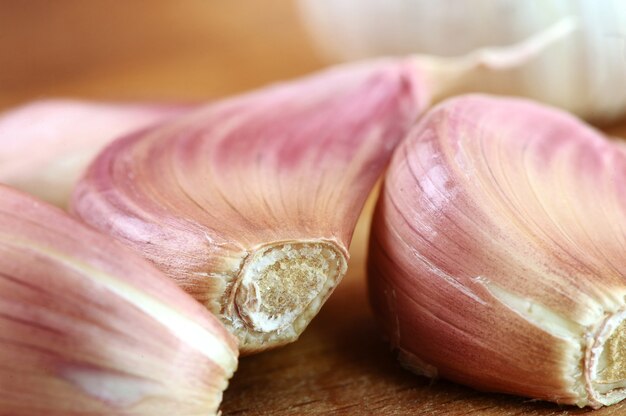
497, 252
250, 204
88, 327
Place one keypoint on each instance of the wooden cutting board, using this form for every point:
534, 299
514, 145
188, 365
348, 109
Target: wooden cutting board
193, 50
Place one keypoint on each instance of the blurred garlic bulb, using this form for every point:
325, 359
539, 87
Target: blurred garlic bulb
250, 203
497, 252
87, 327
46, 145
585, 74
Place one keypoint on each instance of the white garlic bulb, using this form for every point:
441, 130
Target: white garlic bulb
585, 73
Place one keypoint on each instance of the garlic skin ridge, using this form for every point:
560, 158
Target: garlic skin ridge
89, 327
46, 145
497, 248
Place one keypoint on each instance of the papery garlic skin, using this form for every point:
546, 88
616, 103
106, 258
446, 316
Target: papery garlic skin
45, 146
250, 204
585, 74
497, 252
87, 327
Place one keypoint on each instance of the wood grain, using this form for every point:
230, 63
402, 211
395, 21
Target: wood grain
196, 49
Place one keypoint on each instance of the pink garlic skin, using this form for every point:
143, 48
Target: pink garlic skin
87, 327
497, 248
291, 162
45, 146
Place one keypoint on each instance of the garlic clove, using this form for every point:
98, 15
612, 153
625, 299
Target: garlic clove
46, 145
250, 204
497, 252
87, 327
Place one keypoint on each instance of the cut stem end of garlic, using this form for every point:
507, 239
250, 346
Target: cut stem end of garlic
606, 380
282, 285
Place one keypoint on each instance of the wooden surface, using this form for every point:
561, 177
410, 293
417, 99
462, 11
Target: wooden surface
198, 49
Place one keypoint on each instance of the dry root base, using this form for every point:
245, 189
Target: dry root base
607, 362
279, 290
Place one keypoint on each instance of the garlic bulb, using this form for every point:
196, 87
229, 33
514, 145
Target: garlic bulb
585, 74
250, 204
86, 327
497, 252
46, 145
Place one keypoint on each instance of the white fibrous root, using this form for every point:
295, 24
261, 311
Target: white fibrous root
497, 252
87, 327
45, 146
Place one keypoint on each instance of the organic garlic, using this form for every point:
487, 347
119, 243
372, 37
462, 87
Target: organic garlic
46, 145
585, 74
86, 327
250, 204
497, 252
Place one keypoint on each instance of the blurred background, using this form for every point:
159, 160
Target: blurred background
148, 49
199, 49
194, 50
